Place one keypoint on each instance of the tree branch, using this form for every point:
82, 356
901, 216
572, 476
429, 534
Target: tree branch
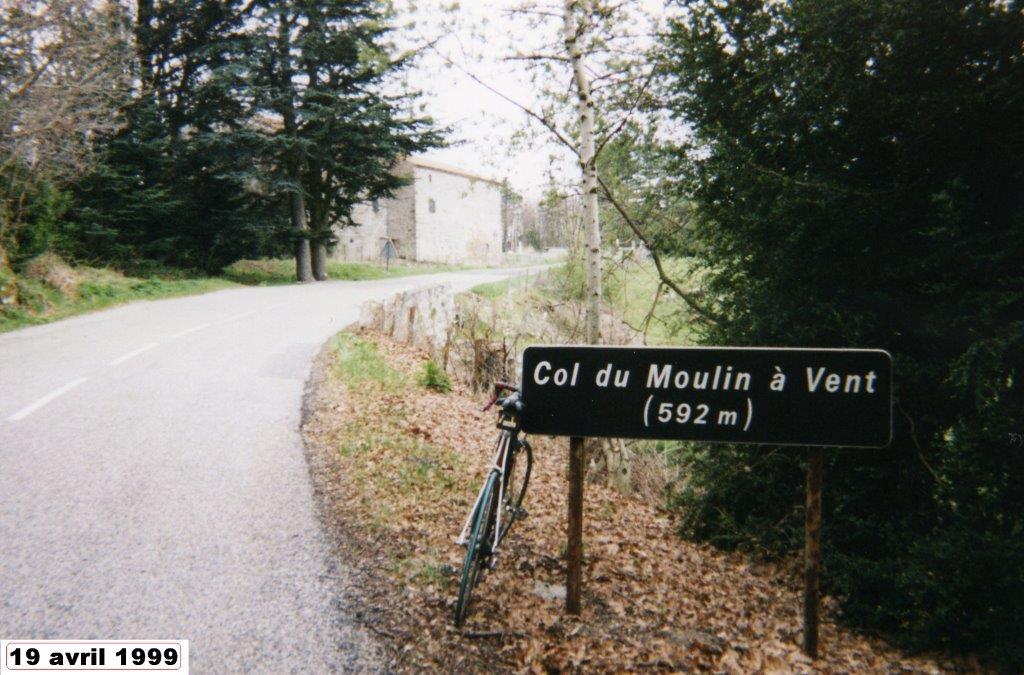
532, 113
625, 118
536, 57
685, 296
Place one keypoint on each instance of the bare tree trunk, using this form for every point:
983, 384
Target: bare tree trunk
303, 266
296, 198
319, 251
588, 167
616, 455
320, 232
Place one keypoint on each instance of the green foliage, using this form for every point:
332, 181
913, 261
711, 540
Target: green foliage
859, 172
532, 239
359, 363
630, 288
177, 202
570, 278
31, 209
493, 289
41, 300
8, 284
323, 68
433, 377
246, 104
271, 272
636, 167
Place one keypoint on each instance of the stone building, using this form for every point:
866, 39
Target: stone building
444, 215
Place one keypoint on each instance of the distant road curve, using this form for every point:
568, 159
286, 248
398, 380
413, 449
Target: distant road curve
153, 483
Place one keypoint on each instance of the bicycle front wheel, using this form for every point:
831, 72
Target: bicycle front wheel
479, 547
517, 478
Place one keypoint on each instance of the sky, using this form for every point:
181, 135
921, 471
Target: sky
483, 123
487, 133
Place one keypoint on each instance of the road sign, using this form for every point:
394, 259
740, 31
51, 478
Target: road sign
783, 396
388, 252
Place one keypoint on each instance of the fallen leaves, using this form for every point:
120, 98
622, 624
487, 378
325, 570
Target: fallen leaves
397, 472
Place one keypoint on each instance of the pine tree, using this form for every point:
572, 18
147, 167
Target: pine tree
315, 71
172, 186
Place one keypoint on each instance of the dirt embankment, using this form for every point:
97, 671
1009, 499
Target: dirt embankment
396, 467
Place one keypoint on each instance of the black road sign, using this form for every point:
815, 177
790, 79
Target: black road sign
836, 397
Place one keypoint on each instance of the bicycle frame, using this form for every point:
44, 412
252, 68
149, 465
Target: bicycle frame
490, 509
499, 464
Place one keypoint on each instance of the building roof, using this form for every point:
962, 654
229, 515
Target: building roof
425, 163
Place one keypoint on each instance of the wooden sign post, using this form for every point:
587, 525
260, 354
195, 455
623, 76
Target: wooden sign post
574, 547
760, 395
812, 550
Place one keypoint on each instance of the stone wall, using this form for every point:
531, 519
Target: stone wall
366, 241
423, 318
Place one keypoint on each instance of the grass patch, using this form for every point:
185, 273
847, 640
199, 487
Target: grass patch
426, 469
93, 289
49, 289
359, 362
274, 272
629, 289
423, 569
493, 289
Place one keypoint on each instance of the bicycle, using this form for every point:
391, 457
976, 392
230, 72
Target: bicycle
499, 502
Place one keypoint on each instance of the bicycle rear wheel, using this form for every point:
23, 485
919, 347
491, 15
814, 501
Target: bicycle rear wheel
479, 547
517, 477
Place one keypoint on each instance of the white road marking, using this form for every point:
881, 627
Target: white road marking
188, 331
130, 355
238, 316
28, 410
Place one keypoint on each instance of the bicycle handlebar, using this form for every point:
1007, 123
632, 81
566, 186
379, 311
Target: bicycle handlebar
498, 388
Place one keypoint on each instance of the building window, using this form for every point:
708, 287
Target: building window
431, 205
376, 206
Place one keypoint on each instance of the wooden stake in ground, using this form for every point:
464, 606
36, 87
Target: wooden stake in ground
812, 550
574, 549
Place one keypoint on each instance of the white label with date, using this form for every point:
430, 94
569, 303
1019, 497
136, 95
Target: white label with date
94, 656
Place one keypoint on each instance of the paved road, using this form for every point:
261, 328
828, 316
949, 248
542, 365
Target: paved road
153, 483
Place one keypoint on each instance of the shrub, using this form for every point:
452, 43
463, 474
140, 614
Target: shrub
433, 377
865, 208
31, 227
51, 269
254, 272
